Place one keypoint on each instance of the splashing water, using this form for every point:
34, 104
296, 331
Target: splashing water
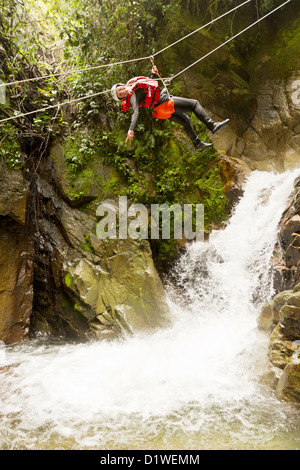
194, 385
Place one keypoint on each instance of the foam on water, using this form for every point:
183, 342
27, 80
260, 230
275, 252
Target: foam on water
192, 385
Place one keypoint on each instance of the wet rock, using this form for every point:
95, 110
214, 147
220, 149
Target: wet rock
278, 302
16, 267
284, 345
284, 341
288, 387
271, 142
271, 377
265, 319
16, 294
234, 173
269, 315
287, 264
89, 287
281, 349
290, 315
14, 194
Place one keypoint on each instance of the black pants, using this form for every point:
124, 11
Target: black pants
185, 105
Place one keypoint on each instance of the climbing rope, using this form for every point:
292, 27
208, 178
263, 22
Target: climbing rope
43, 77
76, 100
230, 39
201, 27
165, 80
17, 82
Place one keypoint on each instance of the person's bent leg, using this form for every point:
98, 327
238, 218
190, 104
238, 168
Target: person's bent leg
185, 122
186, 105
213, 126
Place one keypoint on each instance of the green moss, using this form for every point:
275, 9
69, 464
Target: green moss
276, 58
80, 184
80, 151
87, 246
111, 186
68, 279
10, 151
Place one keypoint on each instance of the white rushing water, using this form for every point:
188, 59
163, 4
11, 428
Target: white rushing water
194, 385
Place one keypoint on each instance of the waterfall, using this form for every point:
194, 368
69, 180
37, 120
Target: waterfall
192, 385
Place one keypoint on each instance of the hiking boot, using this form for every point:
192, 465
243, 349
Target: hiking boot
217, 126
199, 144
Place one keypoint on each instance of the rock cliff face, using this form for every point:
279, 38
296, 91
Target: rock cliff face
281, 316
286, 258
258, 90
272, 139
16, 267
57, 277
86, 287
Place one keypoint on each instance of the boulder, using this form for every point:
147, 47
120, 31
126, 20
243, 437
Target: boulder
288, 387
271, 377
281, 349
265, 319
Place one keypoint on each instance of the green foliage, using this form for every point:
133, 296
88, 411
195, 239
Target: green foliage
218, 6
211, 189
80, 151
48, 36
10, 151
87, 246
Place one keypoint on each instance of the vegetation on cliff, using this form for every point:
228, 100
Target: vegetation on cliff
38, 39
78, 150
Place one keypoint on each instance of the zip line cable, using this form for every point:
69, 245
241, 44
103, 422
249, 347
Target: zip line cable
54, 106
75, 100
230, 39
201, 27
124, 61
166, 79
73, 71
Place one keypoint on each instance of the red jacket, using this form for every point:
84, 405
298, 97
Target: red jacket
151, 89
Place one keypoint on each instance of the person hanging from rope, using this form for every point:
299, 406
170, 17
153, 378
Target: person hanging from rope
145, 92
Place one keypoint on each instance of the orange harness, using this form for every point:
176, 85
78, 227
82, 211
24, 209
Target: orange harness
164, 110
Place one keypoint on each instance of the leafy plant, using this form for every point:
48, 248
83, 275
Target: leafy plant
10, 151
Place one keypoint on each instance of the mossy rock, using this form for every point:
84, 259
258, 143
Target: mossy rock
92, 181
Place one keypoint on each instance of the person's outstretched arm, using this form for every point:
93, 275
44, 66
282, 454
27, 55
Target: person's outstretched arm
136, 99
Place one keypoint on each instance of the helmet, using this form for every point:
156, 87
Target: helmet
113, 91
